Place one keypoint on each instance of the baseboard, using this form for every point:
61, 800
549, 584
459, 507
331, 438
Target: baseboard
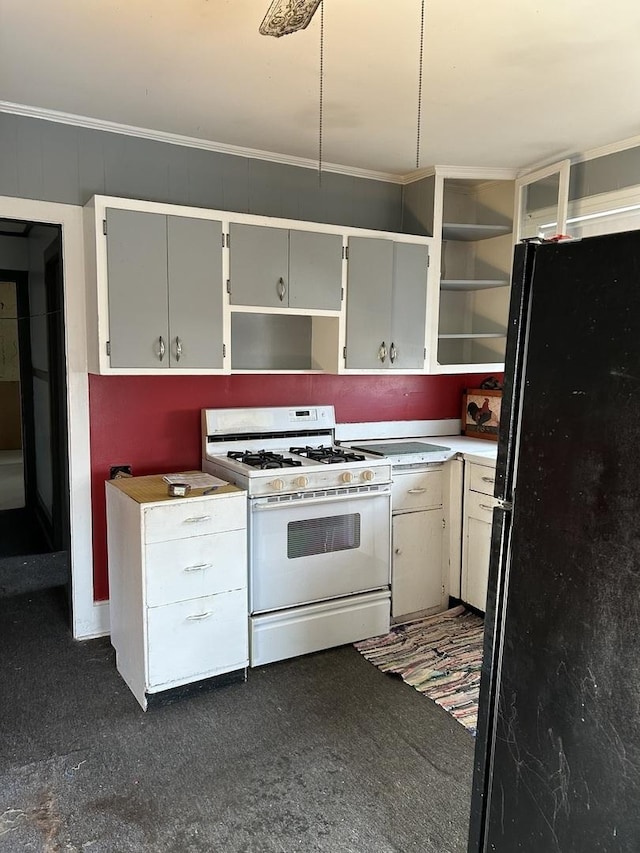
97, 625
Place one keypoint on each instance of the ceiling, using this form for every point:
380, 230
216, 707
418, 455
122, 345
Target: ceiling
506, 83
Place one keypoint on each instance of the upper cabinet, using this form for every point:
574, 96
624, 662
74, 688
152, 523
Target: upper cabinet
158, 298
386, 304
284, 268
165, 298
473, 216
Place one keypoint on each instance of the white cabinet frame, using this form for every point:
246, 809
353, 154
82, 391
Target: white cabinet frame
329, 327
552, 220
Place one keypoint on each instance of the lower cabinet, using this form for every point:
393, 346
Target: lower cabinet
178, 584
476, 532
417, 568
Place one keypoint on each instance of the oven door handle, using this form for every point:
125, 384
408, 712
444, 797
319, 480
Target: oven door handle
258, 504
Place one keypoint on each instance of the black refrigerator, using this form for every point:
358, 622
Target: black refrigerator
557, 759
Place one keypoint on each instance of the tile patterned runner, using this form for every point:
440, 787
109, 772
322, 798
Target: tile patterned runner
439, 655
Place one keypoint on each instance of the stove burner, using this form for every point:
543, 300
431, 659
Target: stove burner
328, 455
263, 459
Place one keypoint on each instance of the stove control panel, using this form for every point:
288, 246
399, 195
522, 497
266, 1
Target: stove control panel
320, 478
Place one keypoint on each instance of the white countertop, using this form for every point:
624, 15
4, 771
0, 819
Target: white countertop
477, 450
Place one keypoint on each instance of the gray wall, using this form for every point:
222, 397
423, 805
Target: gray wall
63, 163
604, 174
417, 211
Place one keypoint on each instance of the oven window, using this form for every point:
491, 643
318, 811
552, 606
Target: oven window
323, 535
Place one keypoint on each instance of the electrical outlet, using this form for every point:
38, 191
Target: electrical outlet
119, 469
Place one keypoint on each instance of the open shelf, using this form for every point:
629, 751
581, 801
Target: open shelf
272, 342
470, 231
471, 349
472, 283
472, 335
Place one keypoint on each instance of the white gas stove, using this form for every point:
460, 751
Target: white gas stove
284, 451
319, 527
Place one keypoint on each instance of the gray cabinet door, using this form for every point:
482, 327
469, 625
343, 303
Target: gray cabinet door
315, 270
369, 301
410, 263
195, 292
259, 265
137, 284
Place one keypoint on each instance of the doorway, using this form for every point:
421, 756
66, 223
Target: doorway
34, 464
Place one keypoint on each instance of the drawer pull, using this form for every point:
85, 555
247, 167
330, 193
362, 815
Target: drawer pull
197, 568
199, 616
197, 518
416, 491
488, 479
486, 506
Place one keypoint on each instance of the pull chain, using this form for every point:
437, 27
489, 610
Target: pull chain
321, 105
420, 68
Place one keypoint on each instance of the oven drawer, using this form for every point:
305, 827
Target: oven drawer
195, 517
190, 568
416, 491
198, 638
482, 478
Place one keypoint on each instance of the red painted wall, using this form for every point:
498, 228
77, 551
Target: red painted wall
153, 423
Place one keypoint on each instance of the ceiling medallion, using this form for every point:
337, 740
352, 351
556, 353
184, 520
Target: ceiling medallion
288, 16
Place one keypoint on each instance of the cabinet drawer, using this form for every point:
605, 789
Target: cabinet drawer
174, 520
480, 506
191, 568
482, 478
197, 638
416, 491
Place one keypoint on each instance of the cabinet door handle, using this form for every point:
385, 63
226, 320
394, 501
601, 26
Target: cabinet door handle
196, 518
393, 352
417, 491
486, 506
196, 617
382, 352
488, 480
178, 348
197, 567
398, 551
161, 348
281, 288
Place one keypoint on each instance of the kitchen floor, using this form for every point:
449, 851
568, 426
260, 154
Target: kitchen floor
319, 753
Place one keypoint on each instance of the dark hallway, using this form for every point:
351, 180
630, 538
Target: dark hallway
26, 562
34, 494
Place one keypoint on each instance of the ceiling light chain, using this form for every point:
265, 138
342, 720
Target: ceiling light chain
420, 64
321, 105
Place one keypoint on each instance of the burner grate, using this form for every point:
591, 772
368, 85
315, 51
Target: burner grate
263, 459
328, 455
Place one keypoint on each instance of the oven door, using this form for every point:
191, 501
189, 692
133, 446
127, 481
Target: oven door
306, 549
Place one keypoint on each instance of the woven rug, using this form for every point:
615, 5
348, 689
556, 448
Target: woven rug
439, 655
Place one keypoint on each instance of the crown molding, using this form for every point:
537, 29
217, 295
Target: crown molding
487, 173
194, 142
583, 156
603, 150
